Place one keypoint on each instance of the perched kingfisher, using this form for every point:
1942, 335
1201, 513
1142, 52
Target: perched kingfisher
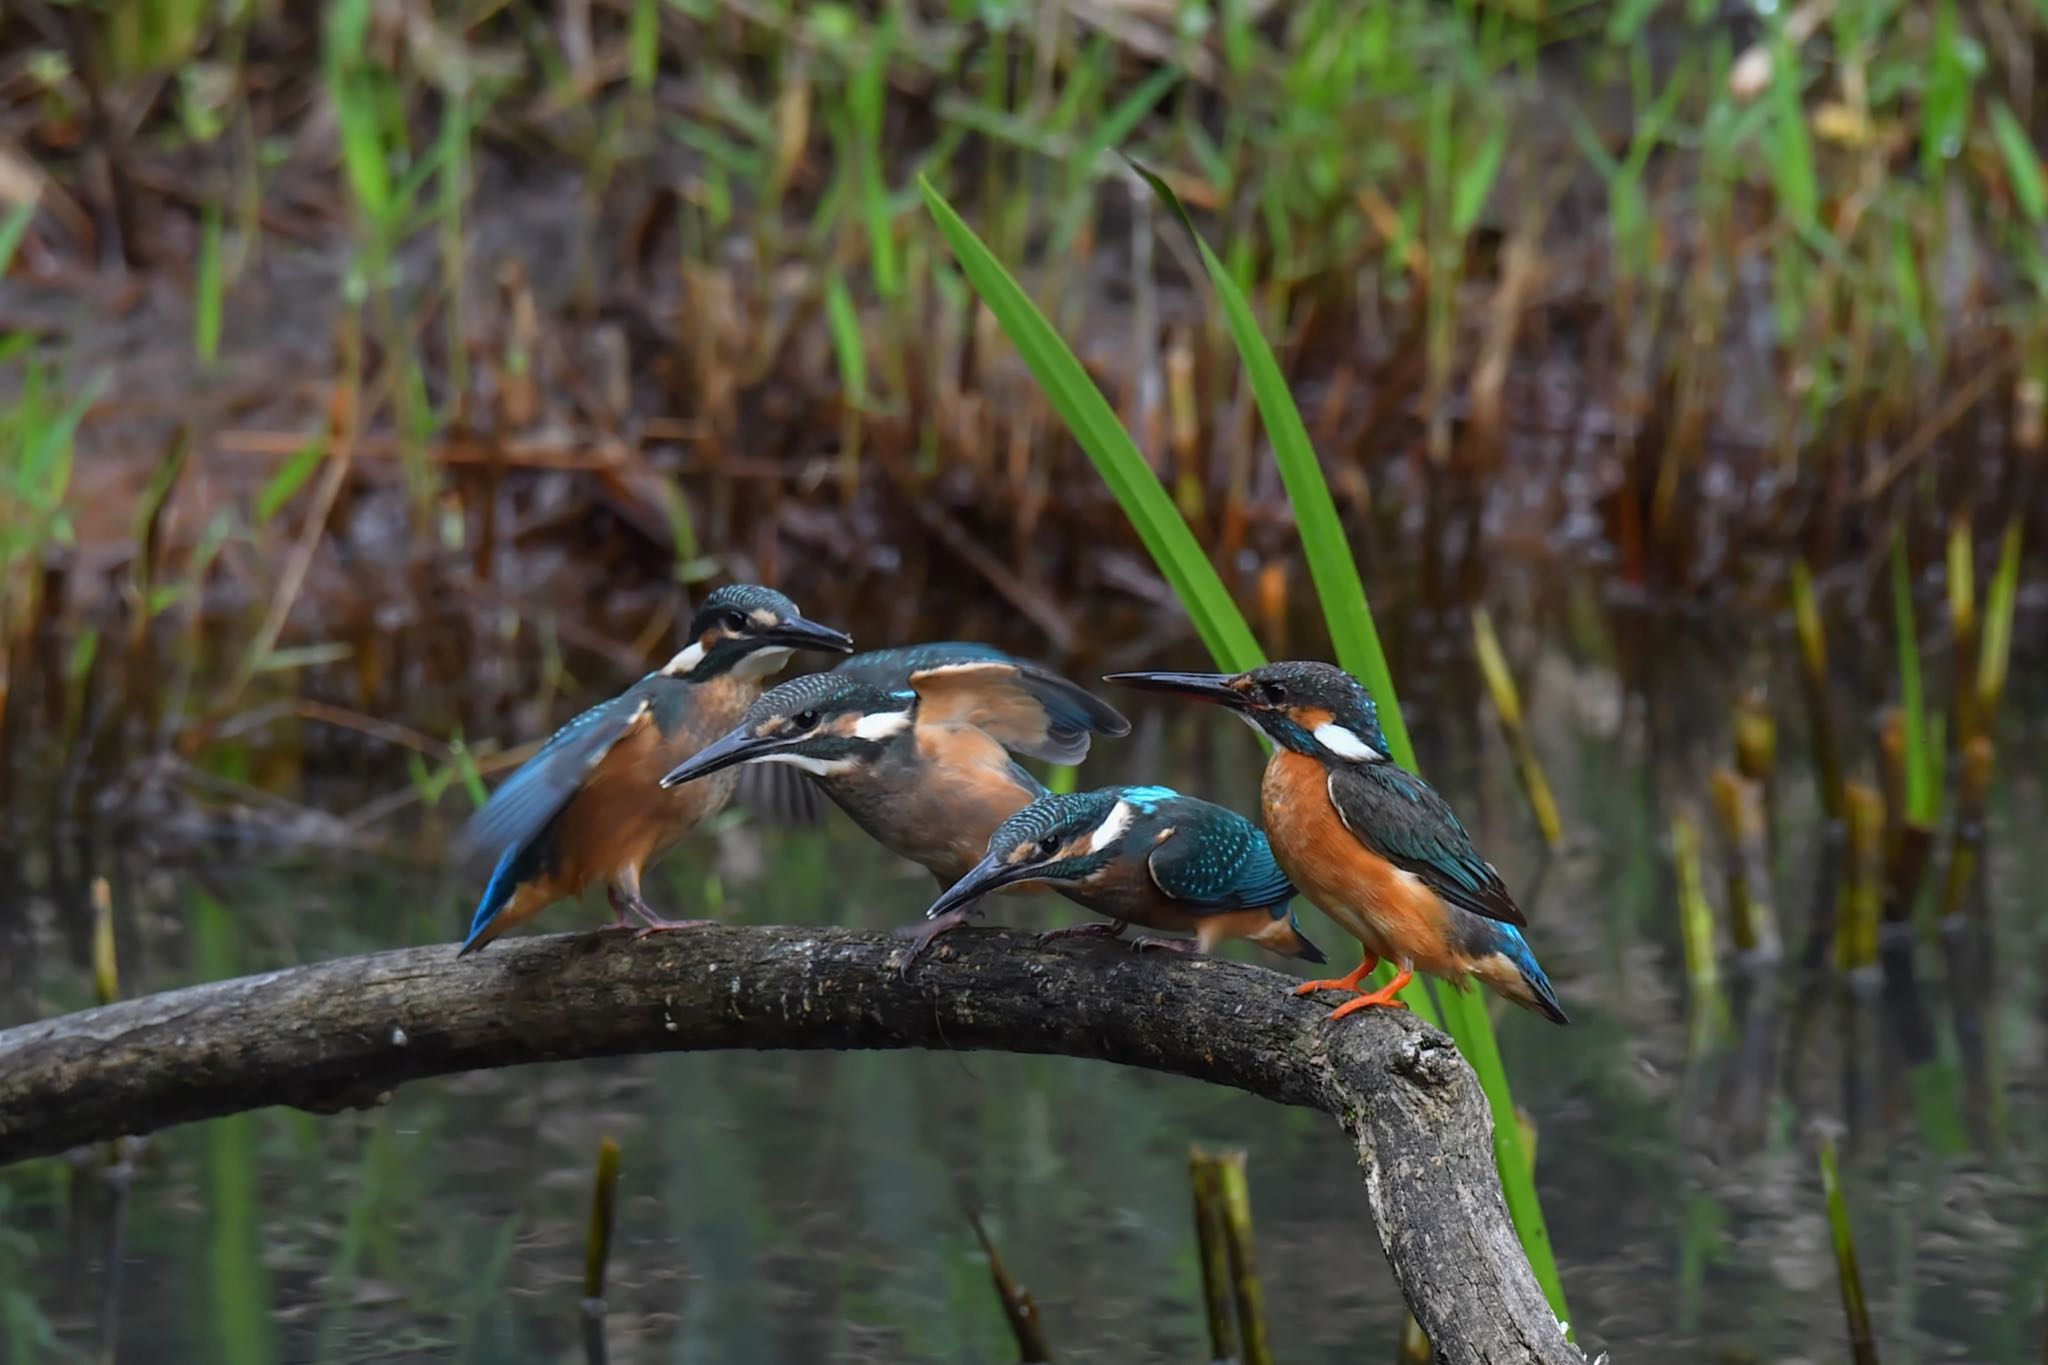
1370, 842
587, 806
916, 744
1147, 856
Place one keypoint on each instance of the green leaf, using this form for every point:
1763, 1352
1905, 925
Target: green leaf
868, 97
1475, 179
2022, 162
12, 228
1995, 651
207, 312
1945, 107
286, 483
848, 345
1120, 121
1088, 415
1790, 146
644, 43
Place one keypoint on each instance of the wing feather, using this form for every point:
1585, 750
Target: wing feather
524, 802
1400, 817
1027, 709
1215, 860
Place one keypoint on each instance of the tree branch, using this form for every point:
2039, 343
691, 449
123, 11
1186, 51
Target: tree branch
341, 1034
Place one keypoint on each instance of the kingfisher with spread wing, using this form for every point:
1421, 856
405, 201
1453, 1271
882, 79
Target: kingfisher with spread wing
588, 807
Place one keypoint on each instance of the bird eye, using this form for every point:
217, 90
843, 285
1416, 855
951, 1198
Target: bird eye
1047, 847
1272, 693
735, 622
803, 720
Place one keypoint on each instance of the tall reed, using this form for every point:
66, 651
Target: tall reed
1215, 612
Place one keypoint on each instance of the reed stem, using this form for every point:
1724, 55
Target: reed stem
1756, 759
597, 1250
1507, 705
1249, 1295
1738, 811
1813, 673
1862, 1341
1861, 897
1709, 1005
1212, 1240
1020, 1310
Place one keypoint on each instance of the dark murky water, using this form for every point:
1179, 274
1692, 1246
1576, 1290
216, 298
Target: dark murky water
806, 1207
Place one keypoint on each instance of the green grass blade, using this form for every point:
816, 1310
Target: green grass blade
1357, 643
1088, 415
1122, 120
1352, 632
12, 228
1995, 655
2022, 163
1855, 1308
1790, 147
643, 43
207, 312
285, 484
843, 321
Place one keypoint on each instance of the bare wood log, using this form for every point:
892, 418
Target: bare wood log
340, 1034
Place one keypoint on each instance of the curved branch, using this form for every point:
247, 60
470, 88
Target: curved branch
340, 1034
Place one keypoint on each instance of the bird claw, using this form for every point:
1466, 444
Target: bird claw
1339, 983
666, 926
1377, 1000
1147, 943
922, 936
1095, 929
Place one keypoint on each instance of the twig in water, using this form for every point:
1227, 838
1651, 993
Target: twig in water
1020, 1310
597, 1250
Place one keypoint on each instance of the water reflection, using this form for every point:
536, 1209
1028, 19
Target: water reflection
807, 1207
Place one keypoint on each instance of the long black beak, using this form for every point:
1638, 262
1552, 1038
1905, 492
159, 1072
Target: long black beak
736, 747
800, 632
990, 874
1208, 686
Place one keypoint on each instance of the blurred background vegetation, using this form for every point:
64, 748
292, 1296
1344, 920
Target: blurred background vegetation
378, 381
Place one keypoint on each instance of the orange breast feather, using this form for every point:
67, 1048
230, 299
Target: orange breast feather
1392, 912
968, 788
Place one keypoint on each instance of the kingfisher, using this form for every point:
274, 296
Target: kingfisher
1146, 856
918, 745
1369, 841
587, 807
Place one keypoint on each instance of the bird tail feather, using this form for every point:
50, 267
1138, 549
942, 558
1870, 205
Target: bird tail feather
1513, 971
504, 884
1284, 936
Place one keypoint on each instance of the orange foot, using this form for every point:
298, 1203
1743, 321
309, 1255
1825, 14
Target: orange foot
1384, 996
1341, 983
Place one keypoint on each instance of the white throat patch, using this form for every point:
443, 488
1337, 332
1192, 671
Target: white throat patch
881, 724
761, 663
817, 767
1112, 828
683, 662
1345, 743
